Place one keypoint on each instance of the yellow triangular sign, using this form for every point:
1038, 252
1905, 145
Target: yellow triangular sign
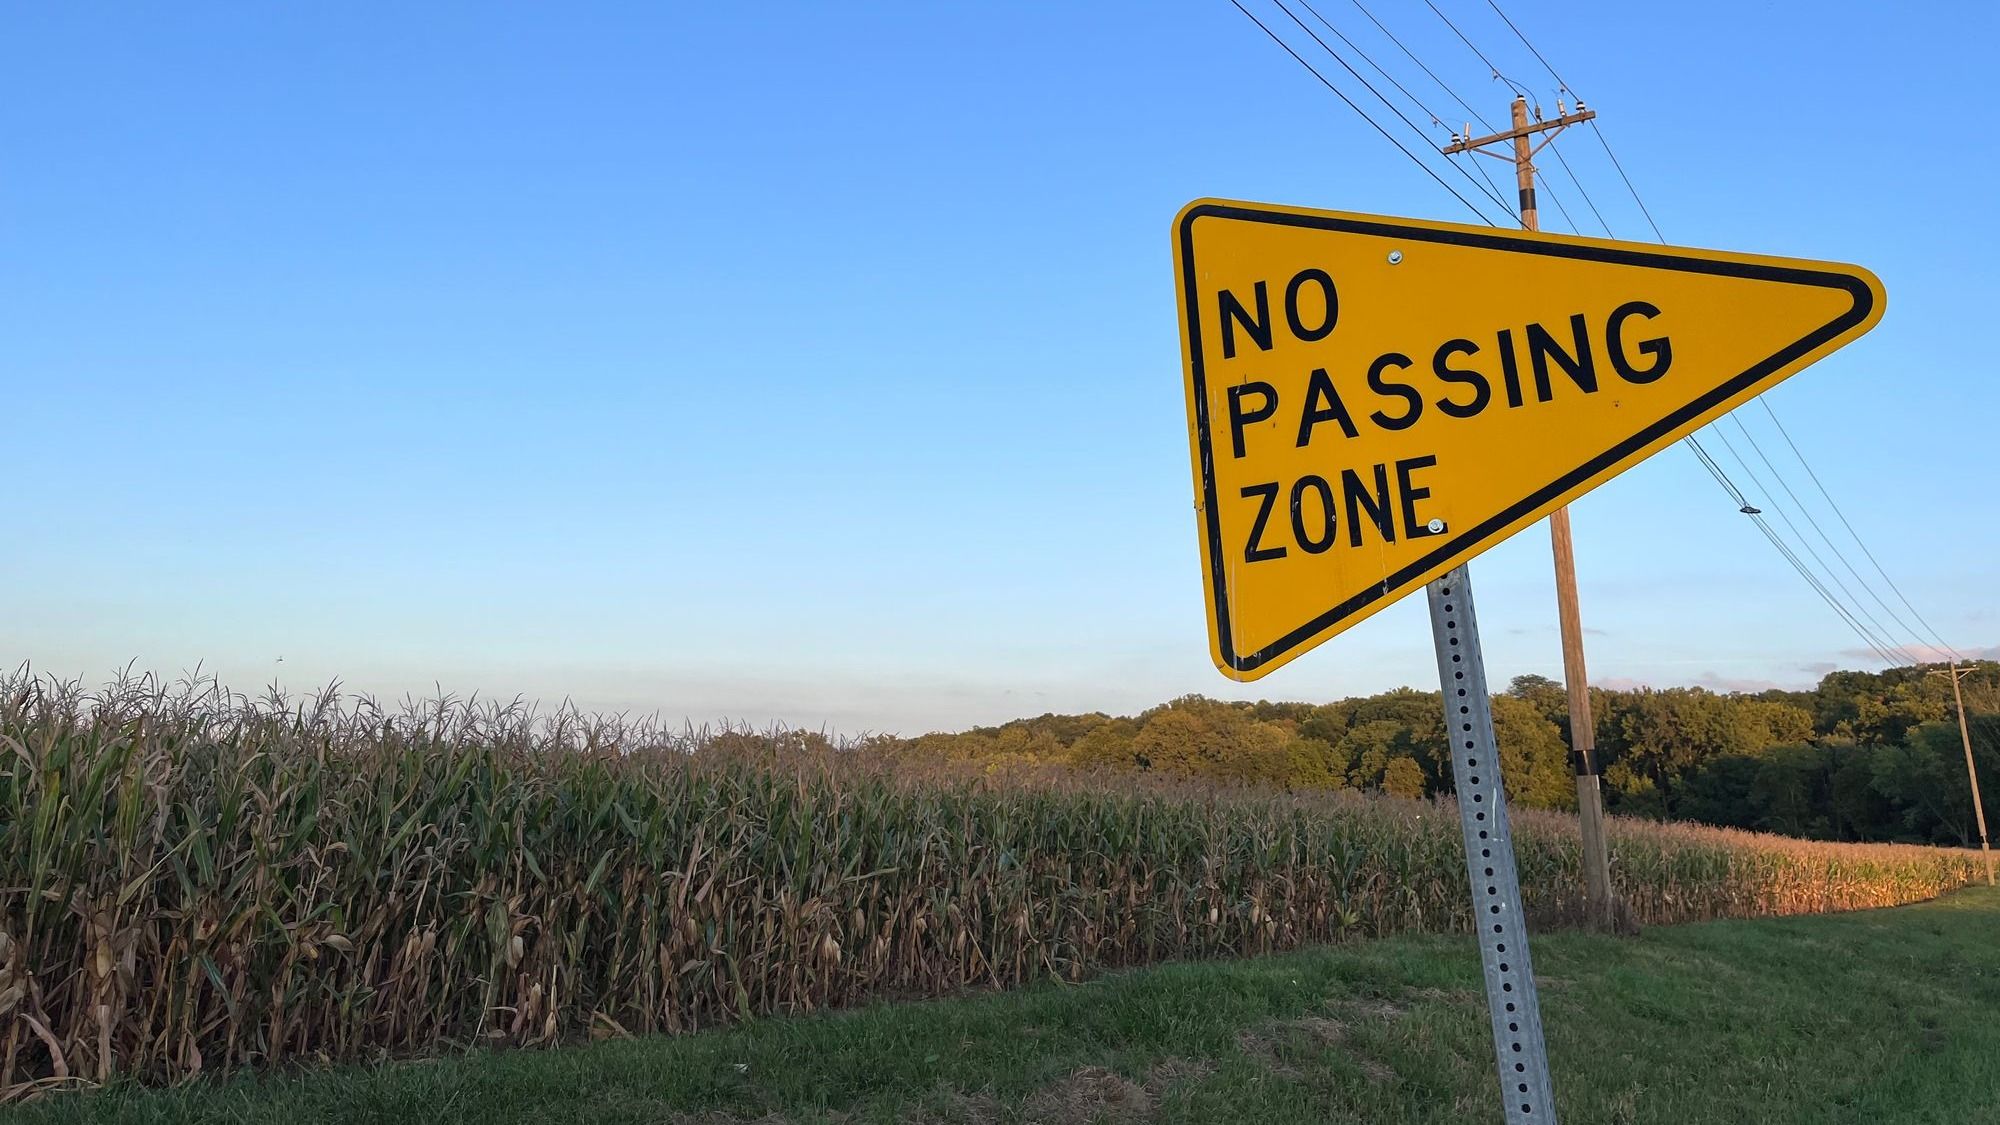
1373, 401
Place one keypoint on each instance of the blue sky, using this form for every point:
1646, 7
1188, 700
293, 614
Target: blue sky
818, 364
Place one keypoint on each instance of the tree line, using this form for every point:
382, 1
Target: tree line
1872, 756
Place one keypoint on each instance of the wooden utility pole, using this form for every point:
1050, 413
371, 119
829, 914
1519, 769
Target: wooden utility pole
1582, 728
1971, 771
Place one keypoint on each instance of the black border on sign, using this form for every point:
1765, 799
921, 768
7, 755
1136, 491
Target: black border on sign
1462, 542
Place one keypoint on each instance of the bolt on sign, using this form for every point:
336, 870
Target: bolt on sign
1373, 401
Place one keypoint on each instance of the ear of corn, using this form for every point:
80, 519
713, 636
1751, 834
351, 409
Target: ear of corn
192, 882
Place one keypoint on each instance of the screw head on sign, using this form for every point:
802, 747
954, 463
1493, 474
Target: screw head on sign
1395, 257
1435, 527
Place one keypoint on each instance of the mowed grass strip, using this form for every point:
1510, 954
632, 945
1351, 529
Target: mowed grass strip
1874, 1016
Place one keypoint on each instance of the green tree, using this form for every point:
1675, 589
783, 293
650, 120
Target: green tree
1108, 744
1200, 737
1534, 759
1719, 792
1924, 778
1662, 735
1859, 811
1369, 747
1864, 755
1316, 764
1758, 723
1790, 791
1549, 698
1403, 778
1926, 786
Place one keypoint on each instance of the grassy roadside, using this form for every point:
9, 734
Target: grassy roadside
1875, 1016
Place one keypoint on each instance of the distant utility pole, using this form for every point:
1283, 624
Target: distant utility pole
1971, 771
1582, 730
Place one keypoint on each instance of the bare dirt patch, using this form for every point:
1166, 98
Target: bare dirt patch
1262, 1049
1177, 1072
1090, 1094
1322, 1029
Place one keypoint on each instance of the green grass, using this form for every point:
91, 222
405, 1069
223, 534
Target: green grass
1875, 1016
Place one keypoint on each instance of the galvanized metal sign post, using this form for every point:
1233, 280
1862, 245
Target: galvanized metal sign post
1373, 401
1520, 1055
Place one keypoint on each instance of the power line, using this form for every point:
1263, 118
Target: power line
1857, 610
1628, 181
1491, 186
1471, 113
1561, 86
1580, 189
1715, 470
1885, 656
1852, 617
1525, 43
1345, 65
1877, 639
1859, 607
1768, 409
1785, 551
1553, 198
1428, 171
1722, 478
1817, 529
1492, 189
1511, 84
1462, 104
1324, 22
1494, 193
1557, 200
1857, 537
1754, 445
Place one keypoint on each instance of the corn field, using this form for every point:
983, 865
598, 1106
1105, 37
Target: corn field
192, 881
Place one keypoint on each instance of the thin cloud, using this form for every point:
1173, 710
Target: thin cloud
1707, 681
1925, 654
1716, 682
